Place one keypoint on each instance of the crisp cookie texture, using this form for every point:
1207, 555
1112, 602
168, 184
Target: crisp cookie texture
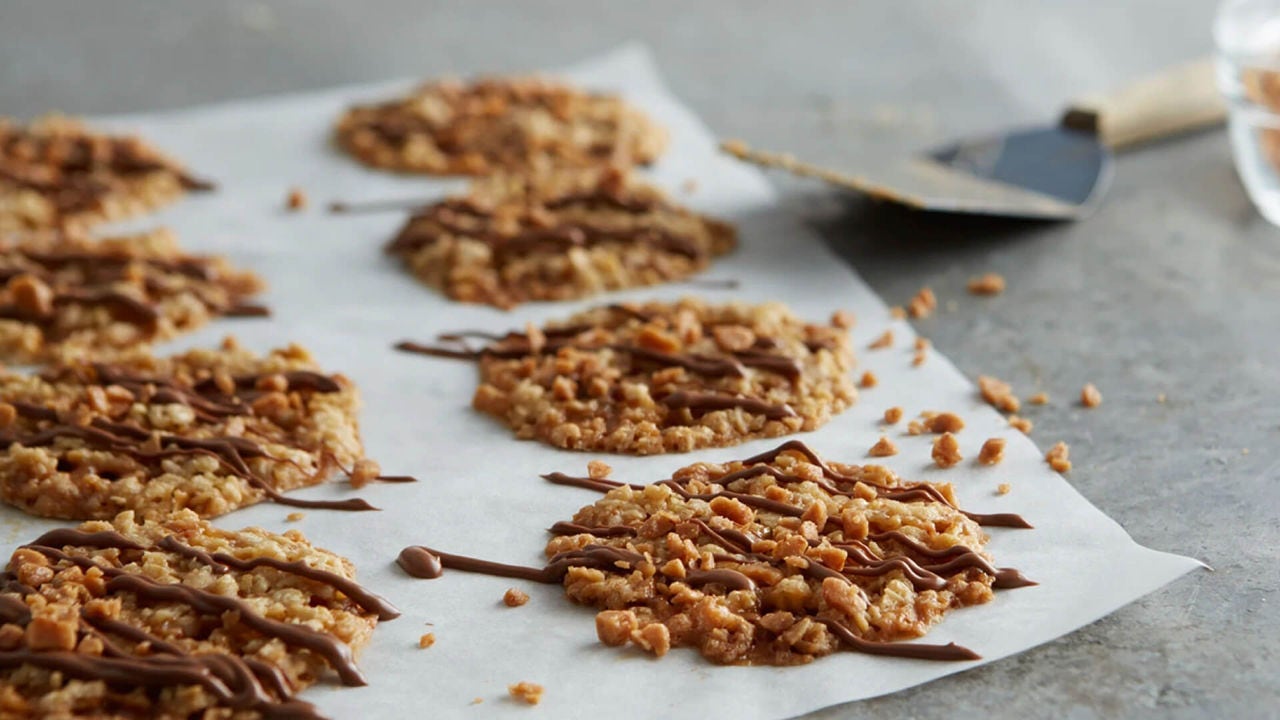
662, 377
453, 128
777, 559
556, 236
207, 430
55, 172
176, 618
67, 295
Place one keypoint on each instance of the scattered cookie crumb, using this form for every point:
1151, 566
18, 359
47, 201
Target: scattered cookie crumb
1089, 396
869, 380
477, 701
884, 447
998, 393
526, 692
843, 319
918, 359
294, 516
885, 340
597, 469
689, 187
893, 415
946, 450
923, 304
514, 597
897, 312
915, 427
427, 640
992, 452
297, 199
989, 284
1040, 398
1161, 398
1057, 457
1021, 424
945, 423
1003, 488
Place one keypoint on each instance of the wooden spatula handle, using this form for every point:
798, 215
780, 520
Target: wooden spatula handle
1175, 101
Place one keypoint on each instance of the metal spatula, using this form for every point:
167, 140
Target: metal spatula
1054, 173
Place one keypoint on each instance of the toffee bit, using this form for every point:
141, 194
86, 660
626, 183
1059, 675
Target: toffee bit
945, 423
869, 380
843, 319
1089, 396
1040, 398
1021, 424
915, 427
597, 469
885, 340
893, 415
427, 640
1003, 488
297, 199
1057, 457
999, 394
364, 472
897, 312
988, 284
294, 516
526, 692
946, 450
515, 597
992, 452
884, 447
923, 304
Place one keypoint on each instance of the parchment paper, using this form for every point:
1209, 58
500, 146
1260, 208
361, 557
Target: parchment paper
334, 291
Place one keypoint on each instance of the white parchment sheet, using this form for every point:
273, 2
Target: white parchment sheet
334, 291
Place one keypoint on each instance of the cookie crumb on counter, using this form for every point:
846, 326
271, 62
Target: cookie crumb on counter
1040, 398
1089, 396
1003, 488
597, 469
992, 451
427, 640
526, 692
893, 415
885, 340
884, 447
946, 450
294, 516
514, 597
998, 393
477, 701
1021, 424
1057, 457
988, 284
297, 199
869, 380
915, 427
923, 304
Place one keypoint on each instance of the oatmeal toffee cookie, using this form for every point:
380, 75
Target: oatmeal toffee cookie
207, 430
65, 294
776, 559
660, 377
56, 173
175, 618
454, 128
556, 236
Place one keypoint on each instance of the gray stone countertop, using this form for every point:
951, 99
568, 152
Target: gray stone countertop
1172, 289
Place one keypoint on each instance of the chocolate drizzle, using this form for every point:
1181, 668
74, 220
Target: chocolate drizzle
241, 683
